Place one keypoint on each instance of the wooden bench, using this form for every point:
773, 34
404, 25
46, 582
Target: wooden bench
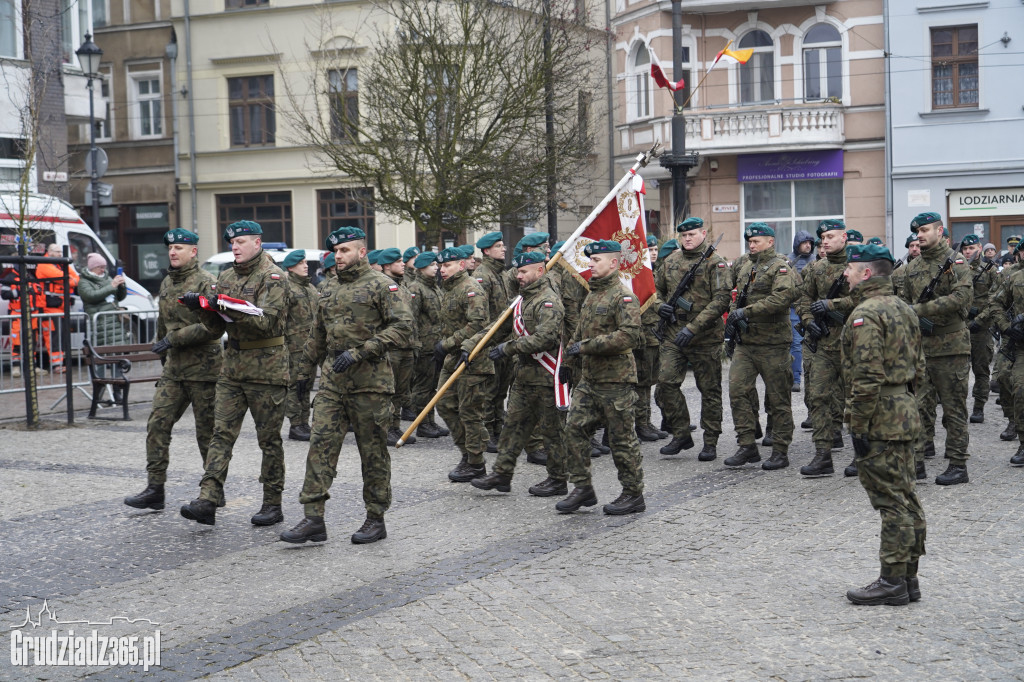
116, 356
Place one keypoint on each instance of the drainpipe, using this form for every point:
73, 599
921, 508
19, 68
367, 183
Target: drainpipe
889, 236
191, 116
172, 56
609, 75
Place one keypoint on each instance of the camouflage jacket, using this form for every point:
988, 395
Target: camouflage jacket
882, 354
490, 275
775, 286
819, 276
362, 312
463, 314
1008, 301
573, 293
195, 352
326, 281
426, 309
260, 282
948, 309
608, 331
302, 298
710, 294
986, 282
411, 342
899, 276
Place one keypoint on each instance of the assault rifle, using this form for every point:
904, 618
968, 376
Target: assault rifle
733, 330
823, 320
897, 264
928, 293
684, 285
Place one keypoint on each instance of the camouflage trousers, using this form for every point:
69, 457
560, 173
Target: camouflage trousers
424, 382
706, 362
887, 474
464, 409
646, 376
774, 365
170, 401
503, 371
1015, 379
369, 415
827, 396
233, 400
945, 379
531, 409
403, 365
981, 365
296, 405
1001, 372
611, 405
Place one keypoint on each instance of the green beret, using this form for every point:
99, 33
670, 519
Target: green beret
467, 250
294, 258
557, 245
693, 223
910, 240
758, 230
1018, 247
1013, 238
667, 248
817, 242
529, 241
388, 256
652, 240
180, 236
877, 241
830, 224
242, 228
854, 237
528, 258
602, 246
329, 261
970, 239
411, 252
926, 218
372, 256
864, 253
489, 240
424, 259
342, 235
450, 254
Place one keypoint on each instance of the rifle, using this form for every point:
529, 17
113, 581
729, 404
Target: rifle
733, 330
823, 320
684, 284
928, 293
897, 264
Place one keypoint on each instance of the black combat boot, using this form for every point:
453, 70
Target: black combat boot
605, 442
929, 450
708, 453
768, 439
299, 432
465, 472
677, 444
549, 487
747, 454
953, 475
1010, 432
837, 439
395, 434
493, 481
778, 460
625, 504
537, 457
431, 430
408, 414
579, 497
913, 588
200, 510
821, 465
1017, 460
371, 531
851, 470
492, 444
693, 427
978, 415
920, 471
268, 515
806, 424
150, 498
647, 433
757, 430
993, 386
309, 529
891, 591
600, 445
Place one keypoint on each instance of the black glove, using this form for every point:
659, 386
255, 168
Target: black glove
974, 327
820, 307
1015, 333
190, 300
738, 315
161, 346
861, 446
565, 375
439, 355
813, 330
463, 359
343, 362
926, 325
573, 349
667, 313
684, 337
497, 353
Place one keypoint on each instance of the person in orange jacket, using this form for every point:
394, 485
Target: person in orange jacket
51, 276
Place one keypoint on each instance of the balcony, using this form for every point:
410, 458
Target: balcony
702, 6
76, 98
745, 130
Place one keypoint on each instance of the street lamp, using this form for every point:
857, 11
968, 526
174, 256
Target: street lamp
89, 55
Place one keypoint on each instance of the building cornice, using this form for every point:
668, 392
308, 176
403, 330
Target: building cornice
247, 59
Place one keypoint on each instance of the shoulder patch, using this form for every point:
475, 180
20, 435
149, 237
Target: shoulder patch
480, 279
548, 304
858, 322
274, 275
959, 261
721, 265
783, 271
393, 287
627, 299
471, 294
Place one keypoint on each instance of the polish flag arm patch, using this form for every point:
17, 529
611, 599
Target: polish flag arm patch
393, 287
783, 271
275, 276
721, 265
471, 294
858, 322
548, 305
627, 299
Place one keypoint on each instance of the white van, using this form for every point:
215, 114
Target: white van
220, 262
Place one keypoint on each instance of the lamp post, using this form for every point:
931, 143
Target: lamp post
678, 161
89, 55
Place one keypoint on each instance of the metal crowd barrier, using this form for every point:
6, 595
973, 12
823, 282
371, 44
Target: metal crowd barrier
113, 327
52, 361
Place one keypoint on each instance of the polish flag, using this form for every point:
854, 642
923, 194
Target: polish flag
663, 82
732, 56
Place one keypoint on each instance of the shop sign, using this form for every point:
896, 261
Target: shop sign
154, 216
967, 203
781, 166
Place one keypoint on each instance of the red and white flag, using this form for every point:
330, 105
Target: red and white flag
549, 362
625, 221
658, 74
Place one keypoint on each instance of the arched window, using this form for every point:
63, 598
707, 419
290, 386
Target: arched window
639, 105
823, 63
757, 76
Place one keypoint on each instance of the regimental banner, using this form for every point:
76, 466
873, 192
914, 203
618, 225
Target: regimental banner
972, 203
782, 166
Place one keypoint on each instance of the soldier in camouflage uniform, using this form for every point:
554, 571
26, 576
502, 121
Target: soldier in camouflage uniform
763, 350
946, 341
607, 333
693, 338
531, 404
329, 274
984, 278
913, 247
490, 275
882, 358
360, 319
1005, 310
646, 357
426, 311
816, 308
254, 376
192, 361
464, 407
403, 358
301, 306
999, 308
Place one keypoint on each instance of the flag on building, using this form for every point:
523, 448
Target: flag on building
625, 221
732, 56
663, 82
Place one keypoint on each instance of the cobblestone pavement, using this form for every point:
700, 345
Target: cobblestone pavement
730, 574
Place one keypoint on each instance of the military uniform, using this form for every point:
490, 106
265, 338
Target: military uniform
1004, 308
490, 276
998, 307
426, 311
647, 357
301, 306
985, 283
403, 364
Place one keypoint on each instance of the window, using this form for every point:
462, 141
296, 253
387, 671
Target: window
104, 128
955, 67
75, 23
12, 162
757, 76
251, 110
242, 4
10, 21
81, 245
344, 103
272, 210
823, 70
792, 206
347, 207
638, 89
99, 13
146, 114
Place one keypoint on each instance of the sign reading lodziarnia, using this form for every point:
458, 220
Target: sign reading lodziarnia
984, 202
